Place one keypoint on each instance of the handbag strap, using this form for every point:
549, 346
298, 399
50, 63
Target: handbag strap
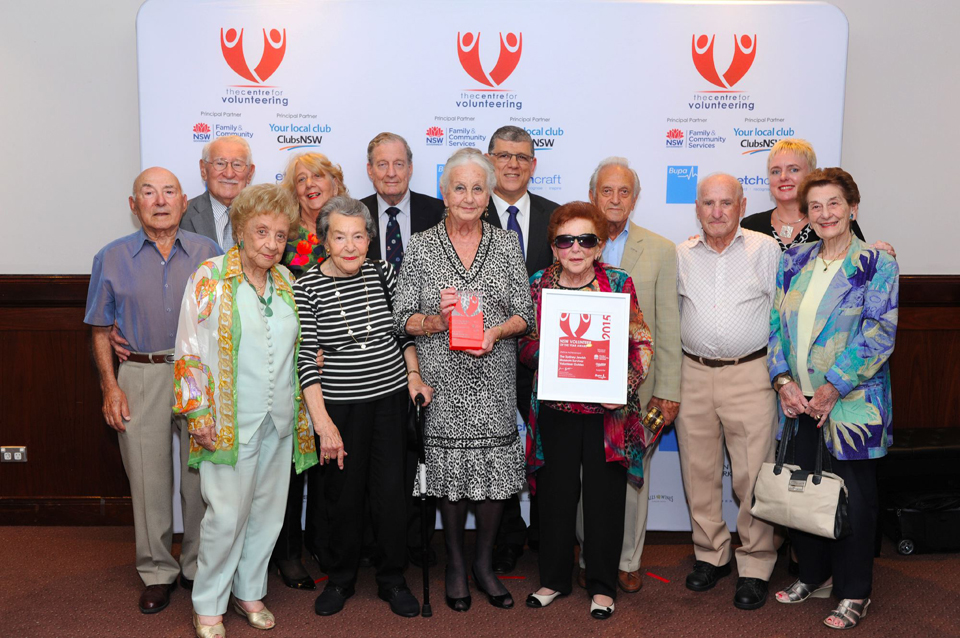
788, 428
378, 264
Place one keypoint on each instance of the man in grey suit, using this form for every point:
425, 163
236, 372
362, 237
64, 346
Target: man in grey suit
226, 167
651, 261
512, 207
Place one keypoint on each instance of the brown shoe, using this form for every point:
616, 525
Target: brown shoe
156, 598
582, 578
630, 582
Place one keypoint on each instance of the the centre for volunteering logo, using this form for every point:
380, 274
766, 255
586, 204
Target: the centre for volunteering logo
271, 56
468, 52
725, 96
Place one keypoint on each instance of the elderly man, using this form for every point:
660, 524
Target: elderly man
726, 283
651, 261
138, 282
512, 207
226, 167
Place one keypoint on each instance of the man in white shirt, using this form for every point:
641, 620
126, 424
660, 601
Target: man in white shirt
726, 285
226, 166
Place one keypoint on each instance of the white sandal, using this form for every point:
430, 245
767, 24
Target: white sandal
848, 613
799, 592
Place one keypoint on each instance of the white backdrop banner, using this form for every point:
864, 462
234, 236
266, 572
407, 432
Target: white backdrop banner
680, 89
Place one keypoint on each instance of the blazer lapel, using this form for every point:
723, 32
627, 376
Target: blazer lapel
839, 287
633, 248
204, 222
538, 250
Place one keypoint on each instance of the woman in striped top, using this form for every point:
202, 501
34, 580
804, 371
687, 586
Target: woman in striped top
358, 405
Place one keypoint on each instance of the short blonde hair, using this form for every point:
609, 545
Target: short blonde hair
803, 148
261, 199
318, 163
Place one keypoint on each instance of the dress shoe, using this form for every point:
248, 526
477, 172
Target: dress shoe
332, 600
505, 558
630, 582
582, 578
503, 601
262, 619
600, 612
156, 598
295, 575
539, 601
704, 575
414, 555
186, 583
402, 602
459, 604
208, 631
751, 593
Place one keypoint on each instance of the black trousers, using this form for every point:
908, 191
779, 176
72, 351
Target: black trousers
374, 437
850, 559
571, 442
317, 519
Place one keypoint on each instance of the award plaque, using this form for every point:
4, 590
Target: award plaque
466, 322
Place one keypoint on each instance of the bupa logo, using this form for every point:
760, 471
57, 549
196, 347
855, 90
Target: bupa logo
468, 48
744, 51
201, 132
274, 47
674, 138
435, 136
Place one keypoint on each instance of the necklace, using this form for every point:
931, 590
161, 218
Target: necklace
843, 252
786, 228
264, 303
343, 313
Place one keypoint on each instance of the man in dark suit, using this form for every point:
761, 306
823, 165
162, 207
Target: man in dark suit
513, 208
226, 167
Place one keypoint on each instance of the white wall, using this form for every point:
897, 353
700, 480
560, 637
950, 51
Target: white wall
69, 146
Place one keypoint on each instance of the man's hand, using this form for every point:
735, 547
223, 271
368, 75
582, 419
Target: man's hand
205, 437
668, 408
115, 409
117, 343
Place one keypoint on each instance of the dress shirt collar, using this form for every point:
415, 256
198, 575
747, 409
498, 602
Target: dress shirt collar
403, 205
701, 239
219, 210
523, 205
142, 240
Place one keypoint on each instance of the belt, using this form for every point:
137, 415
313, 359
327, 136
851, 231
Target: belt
136, 357
719, 363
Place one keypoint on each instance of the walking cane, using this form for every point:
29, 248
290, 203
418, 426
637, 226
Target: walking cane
426, 610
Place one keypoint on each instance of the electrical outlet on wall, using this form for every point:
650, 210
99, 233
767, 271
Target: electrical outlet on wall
13, 454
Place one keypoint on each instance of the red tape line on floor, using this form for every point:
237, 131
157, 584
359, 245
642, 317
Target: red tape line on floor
660, 578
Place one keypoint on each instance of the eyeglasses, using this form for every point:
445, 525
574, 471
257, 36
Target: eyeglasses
504, 158
587, 240
221, 165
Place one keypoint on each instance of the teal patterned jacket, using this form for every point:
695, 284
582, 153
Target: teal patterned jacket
853, 337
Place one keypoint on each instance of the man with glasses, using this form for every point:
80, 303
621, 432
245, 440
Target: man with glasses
652, 263
226, 167
513, 208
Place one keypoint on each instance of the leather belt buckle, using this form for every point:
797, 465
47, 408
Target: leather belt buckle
168, 358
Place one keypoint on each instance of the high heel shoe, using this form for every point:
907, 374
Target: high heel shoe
503, 601
539, 601
459, 604
300, 580
262, 619
208, 631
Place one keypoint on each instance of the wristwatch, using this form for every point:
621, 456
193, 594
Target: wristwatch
781, 380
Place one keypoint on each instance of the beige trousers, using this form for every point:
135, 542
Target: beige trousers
733, 405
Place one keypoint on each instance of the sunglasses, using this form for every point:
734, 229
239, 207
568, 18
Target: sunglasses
587, 240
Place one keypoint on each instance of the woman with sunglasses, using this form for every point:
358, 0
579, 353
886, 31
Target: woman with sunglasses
603, 440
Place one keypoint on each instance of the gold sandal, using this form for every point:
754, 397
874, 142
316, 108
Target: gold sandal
208, 631
848, 613
799, 592
262, 619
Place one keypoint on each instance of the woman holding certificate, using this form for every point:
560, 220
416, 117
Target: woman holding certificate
463, 294
605, 441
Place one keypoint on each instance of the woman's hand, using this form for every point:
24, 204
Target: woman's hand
490, 337
320, 361
612, 406
792, 400
331, 445
205, 437
822, 402
415, 386
448, 301
885, 247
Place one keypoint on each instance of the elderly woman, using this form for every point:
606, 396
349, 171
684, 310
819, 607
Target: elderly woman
570, 441
358, 406
833, 326
313, 180
473, 449
236, 382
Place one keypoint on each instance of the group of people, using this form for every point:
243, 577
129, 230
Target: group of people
290, 327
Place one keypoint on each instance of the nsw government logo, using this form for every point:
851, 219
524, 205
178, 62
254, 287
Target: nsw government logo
674, 138
201, 132
681, 184
272, 53
491, 97
727, 97
434, 136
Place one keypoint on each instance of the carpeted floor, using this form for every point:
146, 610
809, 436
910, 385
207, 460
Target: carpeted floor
80, 581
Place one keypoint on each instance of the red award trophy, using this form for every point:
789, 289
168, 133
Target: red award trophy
466, 322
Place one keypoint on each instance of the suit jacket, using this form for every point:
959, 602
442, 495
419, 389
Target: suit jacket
651, 261
425, 212
853, 337
539, 255
198, 217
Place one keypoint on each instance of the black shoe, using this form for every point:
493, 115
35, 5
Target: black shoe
459, 604
704, 575
332, 600
295, 575
402, 602
414, 554
503, 601
751, 593
185, 582
505, 558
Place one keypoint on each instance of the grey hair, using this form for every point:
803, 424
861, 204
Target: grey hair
510, 134
613, 160
228, 138
712, 175
348, 207
468, 156
383, 138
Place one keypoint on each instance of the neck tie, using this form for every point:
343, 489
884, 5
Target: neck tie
227, 242
392, 238
514, 225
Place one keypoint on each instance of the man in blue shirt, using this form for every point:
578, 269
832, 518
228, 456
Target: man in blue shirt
138, 283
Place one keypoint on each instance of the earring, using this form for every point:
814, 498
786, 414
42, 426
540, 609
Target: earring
241, 244
852, 216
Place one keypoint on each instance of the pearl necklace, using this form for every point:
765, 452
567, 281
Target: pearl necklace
343, 313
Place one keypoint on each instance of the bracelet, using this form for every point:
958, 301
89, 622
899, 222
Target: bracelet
423, 327
500, 336
416, 372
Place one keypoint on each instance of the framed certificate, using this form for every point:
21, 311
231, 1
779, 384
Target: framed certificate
583, 346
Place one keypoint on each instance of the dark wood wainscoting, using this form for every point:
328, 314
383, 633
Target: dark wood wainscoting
50, 395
